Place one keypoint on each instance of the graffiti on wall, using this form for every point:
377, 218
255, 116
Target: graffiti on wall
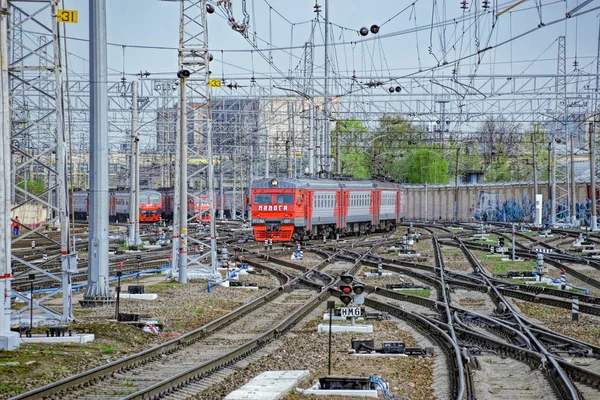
491, 208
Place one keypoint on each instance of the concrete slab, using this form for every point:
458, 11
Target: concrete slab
350, 393
144, 296
375, 274
76, 338
345, 328
270, 385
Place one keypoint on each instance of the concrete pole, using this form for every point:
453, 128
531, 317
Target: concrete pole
221, 189
136, 154
338, 150
209, 150
8, 340
133, 211
572, 188
61, 176
592, 133
183, 184
552, 218
311, 140
426, 205
98, 288
177, 183
327, 128
513, 242
267, 144
456, 187
535, 179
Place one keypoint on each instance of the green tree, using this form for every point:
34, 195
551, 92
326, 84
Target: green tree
35, 187
355, 159
391, 145
424, 165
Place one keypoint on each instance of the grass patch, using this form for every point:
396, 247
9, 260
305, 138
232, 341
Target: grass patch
417, 292
199, 310
499, 267
11, 388
108, 350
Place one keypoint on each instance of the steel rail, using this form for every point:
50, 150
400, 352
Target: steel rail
172, 384
145, 356
564, 385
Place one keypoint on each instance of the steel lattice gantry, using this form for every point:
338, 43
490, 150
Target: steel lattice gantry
38, 157
194, 99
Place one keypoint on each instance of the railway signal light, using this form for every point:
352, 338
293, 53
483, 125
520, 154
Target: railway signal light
358, 289
501, 242
346, 297
374, 29
363, 31
346, 288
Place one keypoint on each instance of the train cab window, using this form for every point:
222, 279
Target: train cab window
284, 199
263, 199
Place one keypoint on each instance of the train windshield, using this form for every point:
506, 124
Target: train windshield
284, 199
263, 199
149, 198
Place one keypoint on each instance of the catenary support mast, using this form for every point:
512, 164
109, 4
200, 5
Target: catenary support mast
134, 178
8, 340
98, 289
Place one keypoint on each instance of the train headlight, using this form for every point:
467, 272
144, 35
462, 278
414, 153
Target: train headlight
274, 182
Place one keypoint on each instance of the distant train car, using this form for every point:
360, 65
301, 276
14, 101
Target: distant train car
286, 209
197, 205
150, 208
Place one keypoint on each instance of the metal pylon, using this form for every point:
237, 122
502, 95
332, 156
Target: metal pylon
38, 141
194, 57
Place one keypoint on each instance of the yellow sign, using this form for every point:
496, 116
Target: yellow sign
214, 83
67, 16
298, 154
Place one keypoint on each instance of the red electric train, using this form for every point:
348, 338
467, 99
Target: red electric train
118, 206
298, 209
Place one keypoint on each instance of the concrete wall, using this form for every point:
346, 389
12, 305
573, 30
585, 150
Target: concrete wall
31, 215
497, 202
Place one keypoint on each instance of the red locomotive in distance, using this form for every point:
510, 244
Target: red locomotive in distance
151, 205
298, 209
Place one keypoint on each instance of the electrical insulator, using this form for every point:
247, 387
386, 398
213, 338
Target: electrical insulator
486, 4
463, 4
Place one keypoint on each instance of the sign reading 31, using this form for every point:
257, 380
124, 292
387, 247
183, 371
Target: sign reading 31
69, 16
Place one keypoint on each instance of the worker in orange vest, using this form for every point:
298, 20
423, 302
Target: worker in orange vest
16, 226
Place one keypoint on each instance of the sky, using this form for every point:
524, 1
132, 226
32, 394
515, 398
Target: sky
156, 23
419, 38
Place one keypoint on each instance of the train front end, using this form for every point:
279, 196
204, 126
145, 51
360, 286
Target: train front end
150, 206
273, 209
